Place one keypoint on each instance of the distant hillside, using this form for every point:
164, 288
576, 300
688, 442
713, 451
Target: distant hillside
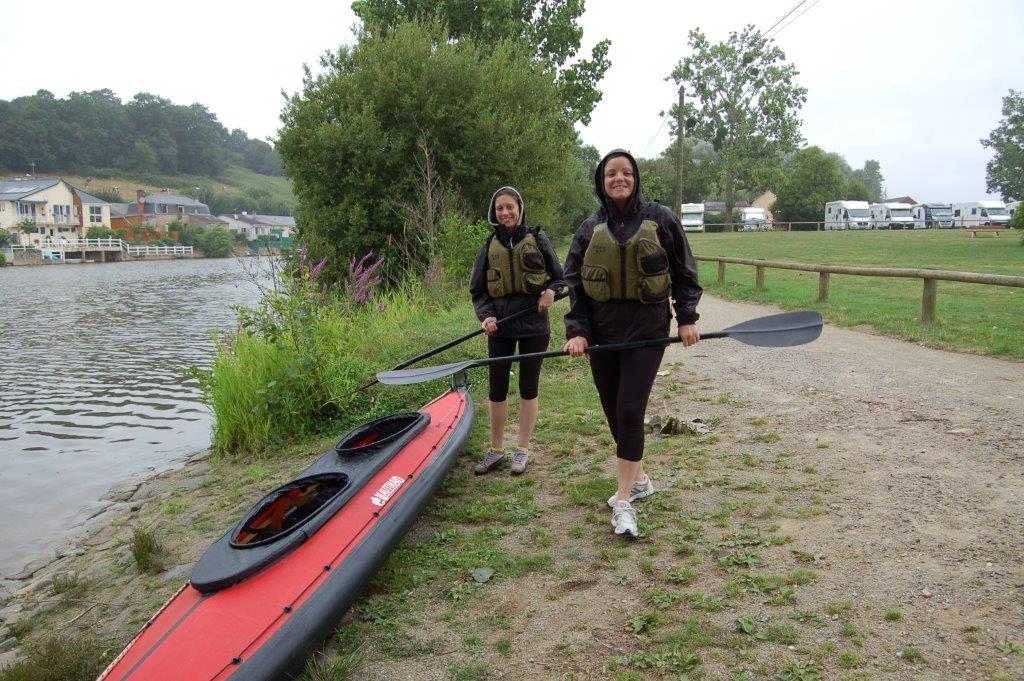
236, 189
94, 132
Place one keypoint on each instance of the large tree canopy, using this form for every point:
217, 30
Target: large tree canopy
812, 178
548, 29
741, 96
1005, 172
89, 131
357, 139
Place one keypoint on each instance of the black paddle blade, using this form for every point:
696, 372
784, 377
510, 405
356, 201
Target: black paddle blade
422, 374
778, 330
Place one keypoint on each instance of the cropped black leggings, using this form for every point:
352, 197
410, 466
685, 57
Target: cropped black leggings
624, 380
529, 370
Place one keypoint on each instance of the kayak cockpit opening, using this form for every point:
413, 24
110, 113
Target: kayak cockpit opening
287, 508
372, 435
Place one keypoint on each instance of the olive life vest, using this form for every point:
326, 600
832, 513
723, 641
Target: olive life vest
635, 270
516, 269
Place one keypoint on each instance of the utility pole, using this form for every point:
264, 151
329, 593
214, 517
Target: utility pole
679, 160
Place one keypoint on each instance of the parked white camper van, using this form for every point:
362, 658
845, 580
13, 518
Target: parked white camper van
754, 219
847, 215
929, 215
891, 215
692, 217
977, 213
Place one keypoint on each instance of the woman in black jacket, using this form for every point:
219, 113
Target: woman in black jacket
516, 269
624, 264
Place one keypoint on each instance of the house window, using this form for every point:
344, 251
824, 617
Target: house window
95, 214
162, 208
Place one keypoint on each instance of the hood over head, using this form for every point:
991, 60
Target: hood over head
635, 199
492, 216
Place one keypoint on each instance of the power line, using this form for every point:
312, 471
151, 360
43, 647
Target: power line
783, 17
663, 119
790, 22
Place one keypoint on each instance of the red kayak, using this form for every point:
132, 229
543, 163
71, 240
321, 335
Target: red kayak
277, 583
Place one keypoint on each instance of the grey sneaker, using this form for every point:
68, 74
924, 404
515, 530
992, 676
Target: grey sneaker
624, 519
639, 490
490, 460
519, 461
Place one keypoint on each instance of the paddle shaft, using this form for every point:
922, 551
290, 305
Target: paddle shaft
628, 345
457, 341
462, 339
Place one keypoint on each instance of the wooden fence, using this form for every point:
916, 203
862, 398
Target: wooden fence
930, 277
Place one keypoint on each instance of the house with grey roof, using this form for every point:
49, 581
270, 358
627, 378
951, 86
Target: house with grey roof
34, 209
254, 226
157, 210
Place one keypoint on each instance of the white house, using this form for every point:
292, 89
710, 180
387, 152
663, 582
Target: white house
34, 209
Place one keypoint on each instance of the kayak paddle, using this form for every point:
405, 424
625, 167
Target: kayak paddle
774, 331
452, 344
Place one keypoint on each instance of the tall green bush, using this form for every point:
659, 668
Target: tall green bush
358, 139
291, 369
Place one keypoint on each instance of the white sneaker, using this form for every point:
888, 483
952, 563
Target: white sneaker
624, 519
639, 490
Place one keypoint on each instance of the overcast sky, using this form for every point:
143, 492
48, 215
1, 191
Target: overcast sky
913, 84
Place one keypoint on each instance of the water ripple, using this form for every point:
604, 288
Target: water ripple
93, 387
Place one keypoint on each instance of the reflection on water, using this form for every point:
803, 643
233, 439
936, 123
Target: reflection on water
93, 390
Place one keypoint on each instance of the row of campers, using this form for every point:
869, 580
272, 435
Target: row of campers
894, 215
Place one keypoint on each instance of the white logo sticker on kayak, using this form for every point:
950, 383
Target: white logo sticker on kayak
386, 491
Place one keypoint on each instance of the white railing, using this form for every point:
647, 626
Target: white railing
111, 244
58, 243
159, 250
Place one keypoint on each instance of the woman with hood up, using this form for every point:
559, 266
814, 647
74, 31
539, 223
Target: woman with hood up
516, 269
625, 263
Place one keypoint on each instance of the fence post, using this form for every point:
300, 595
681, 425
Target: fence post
721, 272
822, 287
760, 278
928, 301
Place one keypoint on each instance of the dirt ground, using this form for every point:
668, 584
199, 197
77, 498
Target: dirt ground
855, 513
926, 449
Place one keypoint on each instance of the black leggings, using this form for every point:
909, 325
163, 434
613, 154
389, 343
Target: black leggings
624, 380
529, 370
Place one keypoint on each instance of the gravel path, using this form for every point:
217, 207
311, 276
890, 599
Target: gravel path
926, 450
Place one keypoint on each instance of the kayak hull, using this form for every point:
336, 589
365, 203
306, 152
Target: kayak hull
265, 625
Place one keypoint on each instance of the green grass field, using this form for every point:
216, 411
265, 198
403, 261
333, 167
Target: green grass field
969, 317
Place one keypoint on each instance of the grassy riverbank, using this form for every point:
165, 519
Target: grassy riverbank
737, 574
969, 317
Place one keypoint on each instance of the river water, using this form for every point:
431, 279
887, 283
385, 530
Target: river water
92, 387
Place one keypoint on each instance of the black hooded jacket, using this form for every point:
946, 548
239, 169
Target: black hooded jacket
499, 308
627, 320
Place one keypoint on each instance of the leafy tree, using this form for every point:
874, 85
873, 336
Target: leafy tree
548, 28
5, 238
89, 131
744, 100
871, 176
101, 233
1005, 172
812, 179
578, 200
215, 242
357, 137
856, 190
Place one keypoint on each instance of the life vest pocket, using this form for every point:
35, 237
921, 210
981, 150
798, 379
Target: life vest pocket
495, 283
655, 288
533, 261
534, 283
596, 282
535, 274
